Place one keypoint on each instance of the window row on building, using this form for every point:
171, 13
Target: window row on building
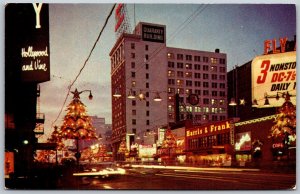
209, 141
198, 109
205, 84
197, 91
199, 67
198, 118
196, 75
189, 57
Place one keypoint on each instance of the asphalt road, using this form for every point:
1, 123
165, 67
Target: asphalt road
183, 179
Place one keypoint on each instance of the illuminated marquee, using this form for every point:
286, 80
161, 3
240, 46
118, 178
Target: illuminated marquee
209, 129
27, 40
272, 74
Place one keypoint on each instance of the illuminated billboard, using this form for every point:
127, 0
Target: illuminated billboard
27, 41
271, 75
147, 151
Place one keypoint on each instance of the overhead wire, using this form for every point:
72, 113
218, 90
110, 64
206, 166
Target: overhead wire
85, 62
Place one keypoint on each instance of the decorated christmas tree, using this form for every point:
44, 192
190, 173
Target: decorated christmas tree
56, 137
170, 140
77, 124
285, 123
122, 147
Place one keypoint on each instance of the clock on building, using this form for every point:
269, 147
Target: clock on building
193, 99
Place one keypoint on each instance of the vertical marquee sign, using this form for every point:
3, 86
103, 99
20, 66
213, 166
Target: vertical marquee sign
27, 41
122, 24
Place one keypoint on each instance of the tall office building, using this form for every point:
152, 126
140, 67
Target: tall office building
144, 70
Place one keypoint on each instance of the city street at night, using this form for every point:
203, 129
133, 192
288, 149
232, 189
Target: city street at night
150, 96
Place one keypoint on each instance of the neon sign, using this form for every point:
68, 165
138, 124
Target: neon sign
120, 15
208, 129
243, 140
27, 41
271, 46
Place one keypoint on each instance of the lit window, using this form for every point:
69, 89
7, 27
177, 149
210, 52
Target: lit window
213, 101
188, 74
213, 68
179, 82
188, 66
213, 60
222, 102
197, 109
170, 55
171, 73
133, 83
180, 90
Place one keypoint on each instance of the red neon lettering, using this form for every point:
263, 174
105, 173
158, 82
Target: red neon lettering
267, 46
282, 44
274, 47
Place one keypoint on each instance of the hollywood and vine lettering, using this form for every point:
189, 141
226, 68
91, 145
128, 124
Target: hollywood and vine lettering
36, 62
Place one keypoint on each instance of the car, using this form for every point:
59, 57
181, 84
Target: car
100, 172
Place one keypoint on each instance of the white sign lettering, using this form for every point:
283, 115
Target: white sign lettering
37, 8
36, 63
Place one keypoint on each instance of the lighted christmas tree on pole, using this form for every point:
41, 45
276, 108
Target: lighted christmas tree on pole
285, 123
169, 143
77, 124
122, 149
